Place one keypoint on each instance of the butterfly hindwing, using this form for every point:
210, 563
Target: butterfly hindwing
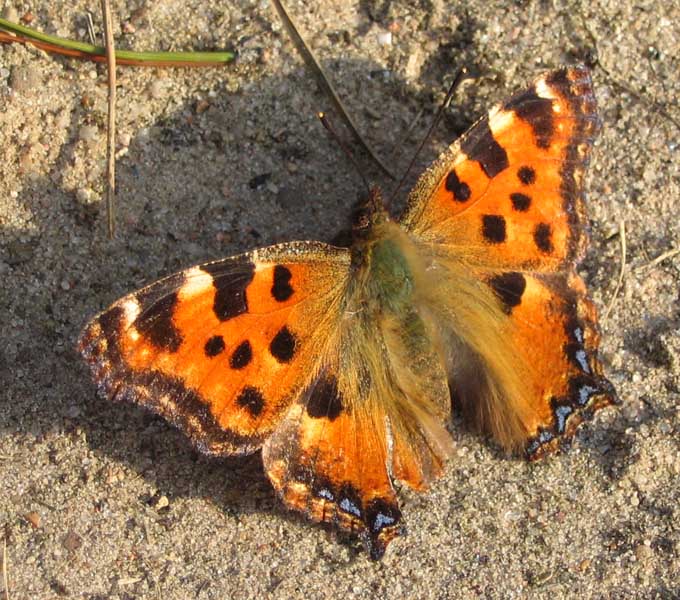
329, 460
222, 349
554, 328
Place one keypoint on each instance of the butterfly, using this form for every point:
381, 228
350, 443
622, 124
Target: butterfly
342, 365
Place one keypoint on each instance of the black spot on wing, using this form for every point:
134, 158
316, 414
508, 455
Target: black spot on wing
230, 282
535, 111
493, 228
526, 175
460, 190
282, 347
154, 321
325, 400
543, 237
509, 287
520, 202
251, 399
241, 356
282, 290
214, 346
480, 145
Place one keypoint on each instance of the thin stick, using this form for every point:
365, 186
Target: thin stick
622, 270
90, 29
659, 259
5, 579
309, 58
111, 125
458, 79
329, 127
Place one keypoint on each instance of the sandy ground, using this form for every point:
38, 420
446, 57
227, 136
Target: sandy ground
105, 501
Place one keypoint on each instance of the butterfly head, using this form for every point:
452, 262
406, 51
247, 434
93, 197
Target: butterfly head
368, 214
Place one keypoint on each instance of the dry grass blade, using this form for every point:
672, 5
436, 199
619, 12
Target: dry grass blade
111, 124
622, 270
311, 61
659, 259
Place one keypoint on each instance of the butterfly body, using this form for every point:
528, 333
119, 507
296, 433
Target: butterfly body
342, 364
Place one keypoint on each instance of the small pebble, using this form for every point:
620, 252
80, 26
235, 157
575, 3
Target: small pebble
385, 38
33, 518
72, 541
643, 552
665, 427
202, 106
84, 195
272, 188
123, 139
88, 133
156, 88
24, 78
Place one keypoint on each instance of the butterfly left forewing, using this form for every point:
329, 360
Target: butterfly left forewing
221, 350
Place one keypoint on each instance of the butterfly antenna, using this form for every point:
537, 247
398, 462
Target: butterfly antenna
325, 121
463, 73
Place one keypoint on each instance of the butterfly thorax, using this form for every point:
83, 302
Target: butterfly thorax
382, 258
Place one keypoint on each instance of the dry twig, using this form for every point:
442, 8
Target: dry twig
111, 124
659, 259
5, 579
622, 271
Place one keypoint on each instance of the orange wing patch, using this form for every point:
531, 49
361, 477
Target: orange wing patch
508, 193
222, 349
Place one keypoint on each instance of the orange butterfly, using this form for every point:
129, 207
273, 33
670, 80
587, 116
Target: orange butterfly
342, 364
